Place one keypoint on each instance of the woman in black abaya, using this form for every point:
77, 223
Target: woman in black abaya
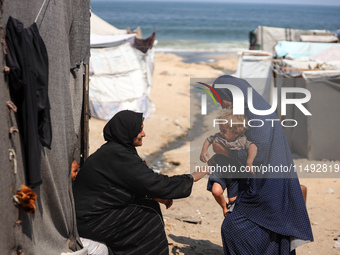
116, 194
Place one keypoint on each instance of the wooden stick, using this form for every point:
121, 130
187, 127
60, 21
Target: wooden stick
255, 54
297, 69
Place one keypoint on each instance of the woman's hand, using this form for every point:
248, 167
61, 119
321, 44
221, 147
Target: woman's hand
167, 202
219, 149
200, 173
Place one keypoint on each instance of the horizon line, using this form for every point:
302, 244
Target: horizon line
224, 2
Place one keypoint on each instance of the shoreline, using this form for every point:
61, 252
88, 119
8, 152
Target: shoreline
196, 57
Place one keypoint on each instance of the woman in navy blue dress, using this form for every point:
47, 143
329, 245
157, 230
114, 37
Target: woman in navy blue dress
269, 216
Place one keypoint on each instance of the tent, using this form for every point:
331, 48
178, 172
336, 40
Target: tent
121, 74
101, 27
310, 65
256, 67
265, 38
315, 137
64, 27
301, 49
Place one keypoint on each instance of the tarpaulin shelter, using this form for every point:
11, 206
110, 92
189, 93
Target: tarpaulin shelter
101, 27
301, 49
265, 38
121, 71
64, 26
315, 137
256, 67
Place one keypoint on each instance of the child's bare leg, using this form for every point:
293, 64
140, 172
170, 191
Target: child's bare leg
231, 199
217, 192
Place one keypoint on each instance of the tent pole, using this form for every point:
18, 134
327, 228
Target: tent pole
85, 118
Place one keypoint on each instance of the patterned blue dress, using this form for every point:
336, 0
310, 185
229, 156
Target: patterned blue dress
270, 216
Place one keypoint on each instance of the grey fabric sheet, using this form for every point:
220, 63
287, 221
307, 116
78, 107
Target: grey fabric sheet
315, 137
64, 27
323, 126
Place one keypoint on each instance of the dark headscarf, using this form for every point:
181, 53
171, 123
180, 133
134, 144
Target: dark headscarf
116, 165
123, 128
274, 203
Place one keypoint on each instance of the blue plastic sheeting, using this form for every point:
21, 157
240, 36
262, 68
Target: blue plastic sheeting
301, 49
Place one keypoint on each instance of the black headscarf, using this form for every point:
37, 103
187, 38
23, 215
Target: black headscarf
117, 164
123, 128
113, 189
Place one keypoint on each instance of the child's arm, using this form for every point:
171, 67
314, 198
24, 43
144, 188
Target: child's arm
204, 154
217, 192
252, 151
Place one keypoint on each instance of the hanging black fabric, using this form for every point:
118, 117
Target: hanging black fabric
28, 83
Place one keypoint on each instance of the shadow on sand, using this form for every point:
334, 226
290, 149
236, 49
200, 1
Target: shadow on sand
185, 245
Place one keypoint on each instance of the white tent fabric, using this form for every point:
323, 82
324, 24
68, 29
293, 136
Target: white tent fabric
121, 76
103, 41
256, 68
330, 54
109, 61
315, 38
101, 27
301, 49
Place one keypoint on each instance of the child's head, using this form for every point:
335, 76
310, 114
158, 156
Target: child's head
231, 131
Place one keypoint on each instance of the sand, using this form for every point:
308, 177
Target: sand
193, 224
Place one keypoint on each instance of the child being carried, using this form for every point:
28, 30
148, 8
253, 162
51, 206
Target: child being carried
231, 137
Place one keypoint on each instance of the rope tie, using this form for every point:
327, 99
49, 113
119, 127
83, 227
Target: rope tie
40, 11
13, 157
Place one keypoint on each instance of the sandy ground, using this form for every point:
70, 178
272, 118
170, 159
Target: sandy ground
193, 224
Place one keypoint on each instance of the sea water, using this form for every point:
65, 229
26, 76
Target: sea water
211, 26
